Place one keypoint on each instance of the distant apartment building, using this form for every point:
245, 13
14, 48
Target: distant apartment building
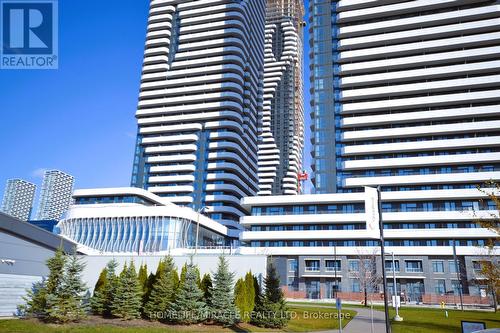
18, 198
56, 195
281, 125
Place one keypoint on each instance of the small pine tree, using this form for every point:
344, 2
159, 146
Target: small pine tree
206, 287
111, 288
183, 275
271, 310
68, 304
105, 290
273, 292
128, 300
189, 307
143, 282
163, 292
143, 278
257, 292
43, 295
56, 266
245, 296
97, 300
240, 298
224, 311
251, 293
36, 300
101, 281
150, 282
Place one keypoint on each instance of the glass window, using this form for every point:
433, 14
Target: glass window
332, 265
354, 265
292, 265
476, 265
388, 265
455, 286
438, 266
452, 266
292, 283
312, 265
440, 287
355, 286
414, 266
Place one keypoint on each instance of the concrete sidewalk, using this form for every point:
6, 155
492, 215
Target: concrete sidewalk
362, 323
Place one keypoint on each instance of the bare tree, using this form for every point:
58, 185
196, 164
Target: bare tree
490, 267
366, 274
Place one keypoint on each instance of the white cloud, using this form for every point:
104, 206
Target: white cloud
38, 173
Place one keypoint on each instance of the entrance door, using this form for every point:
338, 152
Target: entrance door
330, 286
313, 288
415, 289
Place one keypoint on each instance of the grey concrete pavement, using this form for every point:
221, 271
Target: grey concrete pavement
362, 322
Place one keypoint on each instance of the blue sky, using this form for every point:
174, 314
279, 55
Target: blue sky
80, 118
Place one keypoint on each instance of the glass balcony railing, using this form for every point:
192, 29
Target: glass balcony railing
312, 269
414, 270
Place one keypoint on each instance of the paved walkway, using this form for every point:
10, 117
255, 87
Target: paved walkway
361, 323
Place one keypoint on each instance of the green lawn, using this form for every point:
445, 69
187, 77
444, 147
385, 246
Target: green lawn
434, 320
426, 320
305, 319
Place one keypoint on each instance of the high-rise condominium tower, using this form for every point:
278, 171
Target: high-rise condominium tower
281, 126
406, 95
18, 198
200, 96
55, 198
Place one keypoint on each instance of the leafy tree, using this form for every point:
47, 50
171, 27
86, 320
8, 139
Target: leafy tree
163, 291
128, 300
271, 310
490, 267
224, 311
189, 307
206, 287
67, 303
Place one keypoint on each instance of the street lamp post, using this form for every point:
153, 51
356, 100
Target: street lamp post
397, 317
382, 254
199, 212
457, 268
